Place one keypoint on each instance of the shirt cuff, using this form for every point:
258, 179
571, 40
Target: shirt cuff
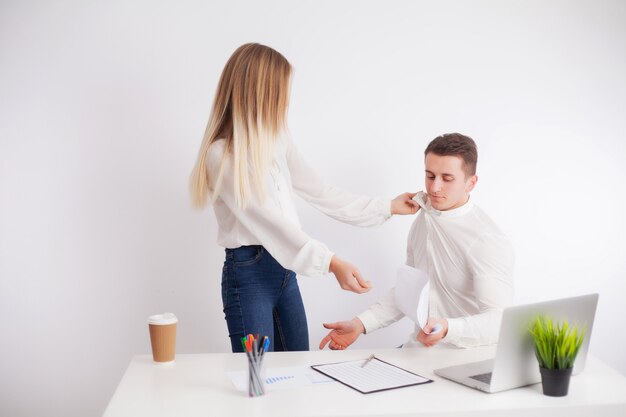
326, 265
369, 320
454, 331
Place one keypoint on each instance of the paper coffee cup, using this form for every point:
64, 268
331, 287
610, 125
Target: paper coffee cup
163, 336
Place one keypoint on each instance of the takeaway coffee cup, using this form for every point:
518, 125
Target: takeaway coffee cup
163, 336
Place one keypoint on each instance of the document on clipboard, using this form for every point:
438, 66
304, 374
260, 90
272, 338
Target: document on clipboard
373, 375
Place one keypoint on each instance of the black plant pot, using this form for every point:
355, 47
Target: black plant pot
555, 381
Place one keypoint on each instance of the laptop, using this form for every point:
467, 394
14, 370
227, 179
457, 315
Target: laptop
515, 364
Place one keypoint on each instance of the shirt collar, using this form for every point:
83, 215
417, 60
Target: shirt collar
424, 202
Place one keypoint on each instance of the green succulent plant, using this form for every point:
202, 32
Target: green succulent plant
556, 345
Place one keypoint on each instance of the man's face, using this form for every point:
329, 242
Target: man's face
445, 182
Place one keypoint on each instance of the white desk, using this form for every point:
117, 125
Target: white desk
198, 385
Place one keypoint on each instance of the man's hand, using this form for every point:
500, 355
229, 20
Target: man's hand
343, 334
348, 276
426, 338
404, 204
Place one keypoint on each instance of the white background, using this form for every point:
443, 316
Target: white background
103, 107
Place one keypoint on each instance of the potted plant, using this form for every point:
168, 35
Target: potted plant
556, 347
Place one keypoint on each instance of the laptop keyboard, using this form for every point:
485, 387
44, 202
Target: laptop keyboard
486, 378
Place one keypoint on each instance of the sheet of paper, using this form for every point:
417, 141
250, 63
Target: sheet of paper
411, 293
281, 378
377, 375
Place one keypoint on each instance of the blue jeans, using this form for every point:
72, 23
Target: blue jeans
260, 296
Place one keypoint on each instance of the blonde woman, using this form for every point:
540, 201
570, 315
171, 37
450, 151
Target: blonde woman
250, 170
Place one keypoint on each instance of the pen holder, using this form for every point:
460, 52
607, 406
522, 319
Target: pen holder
256, 378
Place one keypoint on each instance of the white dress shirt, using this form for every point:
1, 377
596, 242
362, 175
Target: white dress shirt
470, 265
274, 224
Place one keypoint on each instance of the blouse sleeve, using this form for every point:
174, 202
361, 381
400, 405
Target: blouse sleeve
284, 240
348, 208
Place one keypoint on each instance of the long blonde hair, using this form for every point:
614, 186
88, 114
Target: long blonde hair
249, 113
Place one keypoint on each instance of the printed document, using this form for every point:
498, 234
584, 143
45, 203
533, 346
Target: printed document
376, 375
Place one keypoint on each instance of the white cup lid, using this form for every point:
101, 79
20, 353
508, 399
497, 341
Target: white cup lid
162, 319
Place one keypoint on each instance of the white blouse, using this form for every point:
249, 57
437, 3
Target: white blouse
470, 265
274, 223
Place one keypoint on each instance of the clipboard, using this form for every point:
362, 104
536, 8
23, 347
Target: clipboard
375, 376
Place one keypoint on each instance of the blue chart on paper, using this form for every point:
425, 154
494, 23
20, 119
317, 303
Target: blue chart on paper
274, 379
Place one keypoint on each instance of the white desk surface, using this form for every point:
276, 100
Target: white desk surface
198, 385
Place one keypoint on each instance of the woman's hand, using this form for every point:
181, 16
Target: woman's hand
348, 276
404, 204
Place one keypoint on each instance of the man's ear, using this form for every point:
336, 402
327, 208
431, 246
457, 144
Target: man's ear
471, 183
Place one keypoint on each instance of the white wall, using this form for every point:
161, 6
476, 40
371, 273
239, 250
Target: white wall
103, 107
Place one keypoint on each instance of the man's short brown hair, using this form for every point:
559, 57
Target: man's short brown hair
456, 144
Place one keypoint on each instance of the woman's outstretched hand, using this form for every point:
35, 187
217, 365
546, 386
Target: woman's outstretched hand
348, 276
404, 204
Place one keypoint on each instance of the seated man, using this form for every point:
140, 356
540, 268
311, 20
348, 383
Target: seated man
468, 260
